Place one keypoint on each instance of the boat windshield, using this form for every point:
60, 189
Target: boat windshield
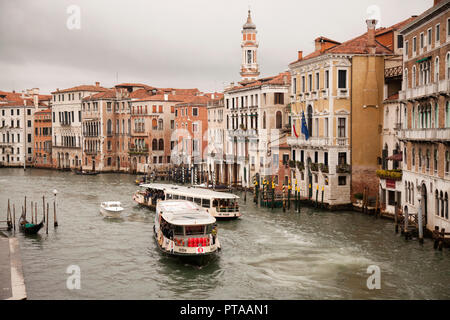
193, 230
226, 205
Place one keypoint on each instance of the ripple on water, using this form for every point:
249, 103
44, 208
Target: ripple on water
266, 254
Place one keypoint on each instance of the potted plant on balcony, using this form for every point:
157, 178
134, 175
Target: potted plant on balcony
343, 168
300, 166
291, 163
323, 167
314, 166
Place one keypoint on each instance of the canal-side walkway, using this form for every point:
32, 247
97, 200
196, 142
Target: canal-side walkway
12, 283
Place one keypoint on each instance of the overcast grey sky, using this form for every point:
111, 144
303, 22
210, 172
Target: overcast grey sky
169, 43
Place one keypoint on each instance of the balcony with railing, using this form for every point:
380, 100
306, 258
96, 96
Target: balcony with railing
317, 141
430, 134
343, 168
138, 150
342, 93
395, 174
442, 86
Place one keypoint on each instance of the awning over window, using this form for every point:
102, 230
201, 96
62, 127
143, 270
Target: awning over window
423, 59
396, 157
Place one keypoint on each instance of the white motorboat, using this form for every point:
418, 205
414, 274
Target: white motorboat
112, 209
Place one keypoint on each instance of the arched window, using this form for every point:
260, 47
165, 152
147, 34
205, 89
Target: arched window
436, 69
446, 205
448, 66
154, 144
413, 79
154, 124
441, 197
264, 120
161, 144
109, 127
405, 85
436, 199
160, 124
309, 116
279, 120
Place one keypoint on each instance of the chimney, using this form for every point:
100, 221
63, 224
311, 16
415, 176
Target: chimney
97, 84
371, 23
300, 55
166, 97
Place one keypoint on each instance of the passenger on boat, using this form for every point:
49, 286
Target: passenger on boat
214, 233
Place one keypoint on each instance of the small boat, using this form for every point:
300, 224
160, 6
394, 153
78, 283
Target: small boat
85, 172
112, 209
184, 229
29, 228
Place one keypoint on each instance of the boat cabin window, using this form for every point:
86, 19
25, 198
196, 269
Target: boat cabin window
193, 230
206, 203
198, 201
182, 197
179, 231
189, 199
215, 203
175, 197
209, 228
169, 196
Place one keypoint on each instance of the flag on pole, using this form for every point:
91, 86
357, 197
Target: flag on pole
304, 126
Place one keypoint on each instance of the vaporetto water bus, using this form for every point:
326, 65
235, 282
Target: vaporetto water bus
221, 205
184, 229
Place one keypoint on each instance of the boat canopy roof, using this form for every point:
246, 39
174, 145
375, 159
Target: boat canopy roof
191, 191
183, 212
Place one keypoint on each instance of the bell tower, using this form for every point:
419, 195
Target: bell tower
249, 66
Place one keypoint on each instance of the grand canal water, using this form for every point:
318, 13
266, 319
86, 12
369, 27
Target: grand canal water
266, 254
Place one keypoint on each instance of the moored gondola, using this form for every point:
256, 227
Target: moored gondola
30, 228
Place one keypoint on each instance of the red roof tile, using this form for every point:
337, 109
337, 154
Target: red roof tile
82, 88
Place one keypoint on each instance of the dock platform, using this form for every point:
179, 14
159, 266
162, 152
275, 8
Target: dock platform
12, 283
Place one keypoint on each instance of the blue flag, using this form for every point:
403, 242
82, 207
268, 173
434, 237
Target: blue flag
304, 127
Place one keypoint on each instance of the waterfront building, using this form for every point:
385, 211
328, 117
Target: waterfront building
42, 151
391, 156
425, 98
216, 139
66, 122
153, 121
99, 131
255, 121
338, 91
16, 126
190, 138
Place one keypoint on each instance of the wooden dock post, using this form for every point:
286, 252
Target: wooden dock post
396, 217
289, 195
245, 194
273, 194
35, 213
14, 216
46, 220
284, 198
55, 222
32, 212
317, 196
295, 198
323, 190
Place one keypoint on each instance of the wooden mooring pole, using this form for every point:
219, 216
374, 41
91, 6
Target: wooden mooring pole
46, 220
14, 216
55, 222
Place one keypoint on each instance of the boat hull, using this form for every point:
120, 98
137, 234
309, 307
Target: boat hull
32, 230
192, 258
110, 213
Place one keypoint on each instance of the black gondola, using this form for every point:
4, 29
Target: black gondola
30, 228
